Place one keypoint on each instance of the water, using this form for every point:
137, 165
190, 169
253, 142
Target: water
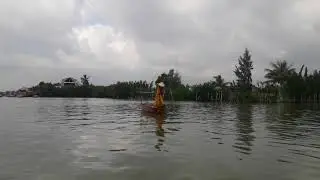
106, 139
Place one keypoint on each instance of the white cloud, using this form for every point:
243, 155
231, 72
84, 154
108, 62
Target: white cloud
186, 6
106, 46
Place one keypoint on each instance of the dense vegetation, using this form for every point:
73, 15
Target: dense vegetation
283, 83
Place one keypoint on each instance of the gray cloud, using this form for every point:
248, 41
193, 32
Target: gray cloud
119, 40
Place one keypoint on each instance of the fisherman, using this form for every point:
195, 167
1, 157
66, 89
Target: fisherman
159, 97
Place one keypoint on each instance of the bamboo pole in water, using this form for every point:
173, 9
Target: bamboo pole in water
217, 96
140, 99
171, 95
196, 96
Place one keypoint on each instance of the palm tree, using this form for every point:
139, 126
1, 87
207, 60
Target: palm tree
219, 81
279, 72
220, 86
85, 80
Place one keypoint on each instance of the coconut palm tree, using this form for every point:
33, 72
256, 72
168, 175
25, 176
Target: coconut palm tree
85, 80
279, 73
220, 85
219, 81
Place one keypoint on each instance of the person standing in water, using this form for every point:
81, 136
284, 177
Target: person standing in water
159, 96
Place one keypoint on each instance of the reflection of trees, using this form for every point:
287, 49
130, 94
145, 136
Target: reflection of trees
283, 120
218, 124
68, 107
287, 111
172, 109
244, 129
85, 109
76, 109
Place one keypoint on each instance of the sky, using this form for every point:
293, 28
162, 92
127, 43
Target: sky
48, 40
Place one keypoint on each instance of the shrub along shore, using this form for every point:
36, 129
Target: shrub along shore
284, 83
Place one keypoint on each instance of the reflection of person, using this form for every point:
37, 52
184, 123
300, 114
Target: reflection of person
159, 132
159, 121
159, 97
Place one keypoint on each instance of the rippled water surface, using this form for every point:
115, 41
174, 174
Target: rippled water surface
65, 139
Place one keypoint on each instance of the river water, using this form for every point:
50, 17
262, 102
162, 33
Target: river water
65, 139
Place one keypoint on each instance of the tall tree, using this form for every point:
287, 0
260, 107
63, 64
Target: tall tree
243, 71
171, 80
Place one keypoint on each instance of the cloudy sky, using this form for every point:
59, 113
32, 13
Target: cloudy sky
130, 40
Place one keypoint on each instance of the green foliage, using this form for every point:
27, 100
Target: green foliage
282, 81
120, 90
171, 80
280, 72
182, 93
243, 71
244, 77
85, 80
302, 88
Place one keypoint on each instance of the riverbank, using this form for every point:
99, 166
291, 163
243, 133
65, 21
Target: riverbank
292, 101
291, 85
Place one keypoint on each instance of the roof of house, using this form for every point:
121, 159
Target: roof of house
69, 79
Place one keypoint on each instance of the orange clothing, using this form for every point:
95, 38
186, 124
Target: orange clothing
159, 98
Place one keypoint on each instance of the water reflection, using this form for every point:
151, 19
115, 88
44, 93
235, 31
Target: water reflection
68, 107
291, 127
173, 110
76, 112
244, 129
284, 120
109, 139
160, 132
85, 109
216, 122
160, 121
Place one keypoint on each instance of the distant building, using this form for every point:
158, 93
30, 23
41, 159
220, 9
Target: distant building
24, 92
69, 82
10, 93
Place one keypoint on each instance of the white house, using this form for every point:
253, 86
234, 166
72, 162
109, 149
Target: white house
69, 82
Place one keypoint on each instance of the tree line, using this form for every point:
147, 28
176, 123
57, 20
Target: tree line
283, 83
